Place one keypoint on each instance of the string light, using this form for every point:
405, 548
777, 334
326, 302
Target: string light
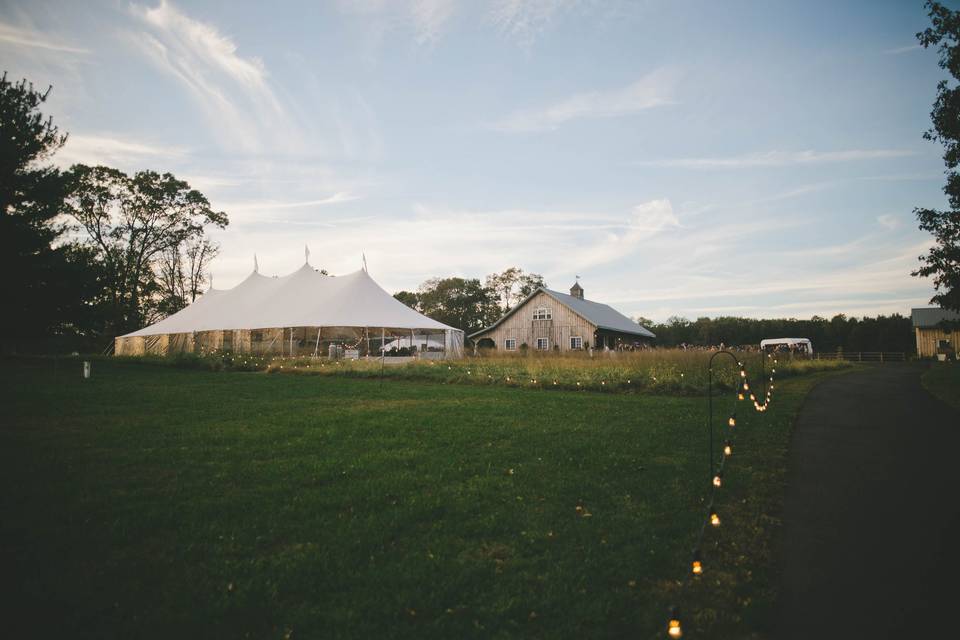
696, 567
674, 630
732, 421
740, 396
718, 479
727, 449
714, 518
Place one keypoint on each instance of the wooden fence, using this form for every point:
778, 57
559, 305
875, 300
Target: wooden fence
863, 356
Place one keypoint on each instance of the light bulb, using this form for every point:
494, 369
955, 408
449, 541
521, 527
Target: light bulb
714, 518
718, 480
732, 421
674, 630
743, 374
746, 386
727, 449
753, 398
696, 566
739, 396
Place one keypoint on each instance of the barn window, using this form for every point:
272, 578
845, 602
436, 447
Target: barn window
576, 342
543, 344
542, 313
510, 344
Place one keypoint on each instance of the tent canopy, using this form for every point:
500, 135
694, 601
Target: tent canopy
304, 298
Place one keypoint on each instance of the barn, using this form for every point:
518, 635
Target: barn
937, 331
303, 313
550, 320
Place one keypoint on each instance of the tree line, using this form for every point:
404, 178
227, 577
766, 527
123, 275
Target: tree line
882, 333
89, 253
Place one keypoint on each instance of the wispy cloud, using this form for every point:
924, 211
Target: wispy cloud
428, 20
233, 90
652, 90
26, 37
272, 205
526, 20
888, 221
115, 150
778, 159
898, 50
430, 17
646, 221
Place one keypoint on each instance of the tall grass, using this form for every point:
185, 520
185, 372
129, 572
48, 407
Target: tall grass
673, 371
661, 371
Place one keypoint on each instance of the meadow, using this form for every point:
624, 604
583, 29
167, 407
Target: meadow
152, 501
657, 371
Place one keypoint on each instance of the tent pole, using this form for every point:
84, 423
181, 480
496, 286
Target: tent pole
383, 352
291, 342
366, 330
317, 348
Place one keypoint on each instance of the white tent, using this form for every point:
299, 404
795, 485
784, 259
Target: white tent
292, 314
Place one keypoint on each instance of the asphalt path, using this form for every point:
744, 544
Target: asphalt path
871, 532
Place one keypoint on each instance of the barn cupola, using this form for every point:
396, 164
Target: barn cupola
576, 290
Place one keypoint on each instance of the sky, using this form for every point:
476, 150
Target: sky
690, 159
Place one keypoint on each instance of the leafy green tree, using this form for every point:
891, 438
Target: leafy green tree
45, 278
182, 272
462, 303
942, 262
130, 223
408, 298
512, 285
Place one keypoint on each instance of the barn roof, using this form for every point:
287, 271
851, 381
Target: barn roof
602, 315
929, 317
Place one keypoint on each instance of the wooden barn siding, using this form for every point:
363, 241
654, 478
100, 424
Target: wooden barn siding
927, 340
525, 329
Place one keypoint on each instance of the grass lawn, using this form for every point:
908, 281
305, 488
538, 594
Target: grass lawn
158, 502
942, 379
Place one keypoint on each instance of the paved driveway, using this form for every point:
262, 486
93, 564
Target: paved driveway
872, 513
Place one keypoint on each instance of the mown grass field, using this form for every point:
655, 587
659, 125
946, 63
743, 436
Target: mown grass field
942, 379
159, 502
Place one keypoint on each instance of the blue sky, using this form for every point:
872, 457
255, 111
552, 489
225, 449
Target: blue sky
684, 158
